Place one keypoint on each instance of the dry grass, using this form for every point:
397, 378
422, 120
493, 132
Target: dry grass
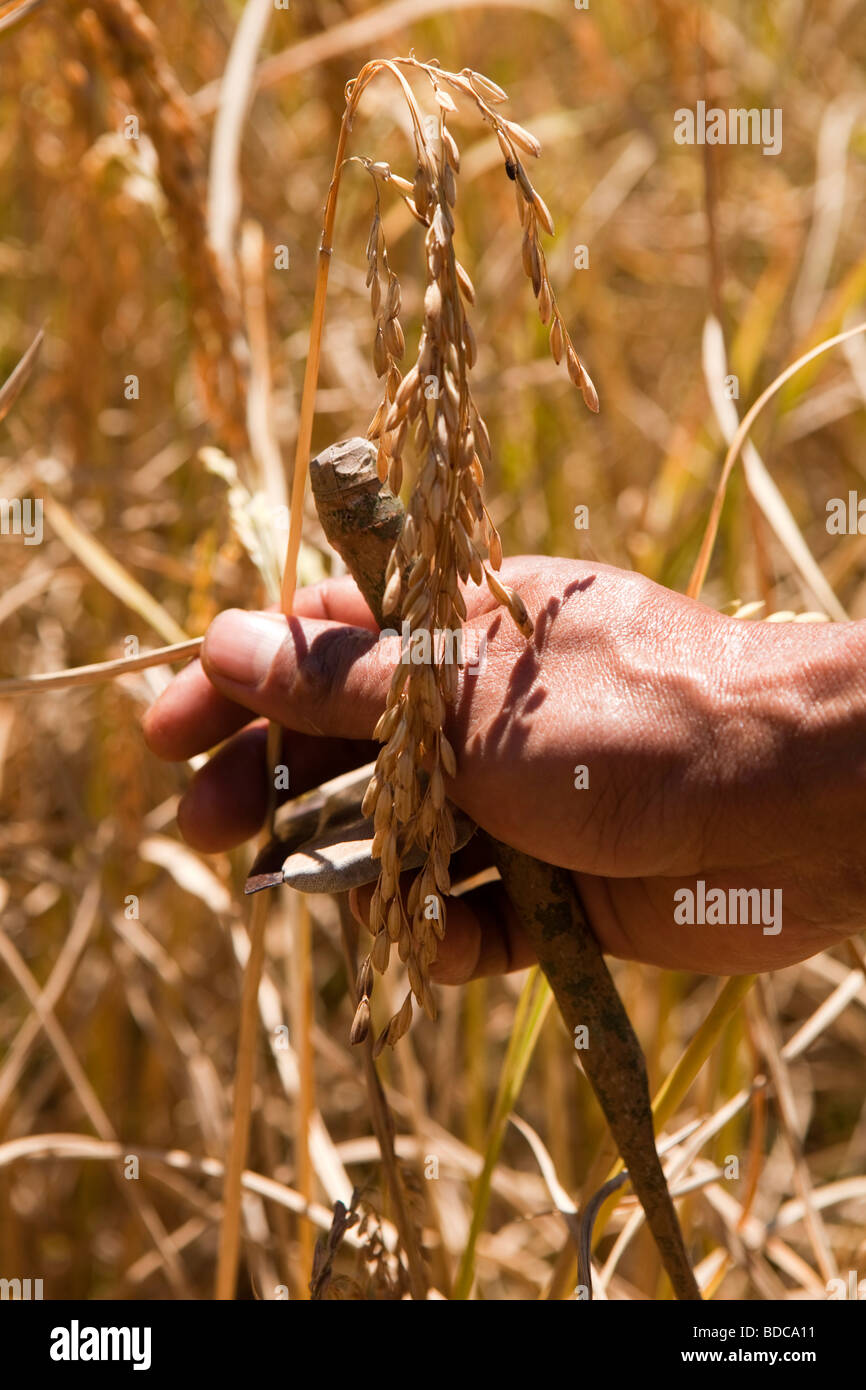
118, 1032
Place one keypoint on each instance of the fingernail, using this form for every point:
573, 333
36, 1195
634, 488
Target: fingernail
240, 647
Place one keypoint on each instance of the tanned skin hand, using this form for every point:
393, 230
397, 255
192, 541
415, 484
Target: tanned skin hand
726, 751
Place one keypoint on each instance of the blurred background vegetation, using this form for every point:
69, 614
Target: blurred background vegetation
102, 247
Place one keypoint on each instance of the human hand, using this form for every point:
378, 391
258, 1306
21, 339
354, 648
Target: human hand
716, 750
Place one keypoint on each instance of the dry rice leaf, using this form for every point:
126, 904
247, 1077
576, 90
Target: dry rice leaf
110, 572
714, 358
16, 10
236, 91
187, 870
17, 380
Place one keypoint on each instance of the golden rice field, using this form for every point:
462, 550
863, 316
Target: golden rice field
164, 169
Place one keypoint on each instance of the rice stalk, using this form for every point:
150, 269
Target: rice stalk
99, 671
120, 34
532, 1009
448, 535
230, 1229
94, 1110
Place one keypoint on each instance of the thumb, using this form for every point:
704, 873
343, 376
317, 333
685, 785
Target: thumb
310, 675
